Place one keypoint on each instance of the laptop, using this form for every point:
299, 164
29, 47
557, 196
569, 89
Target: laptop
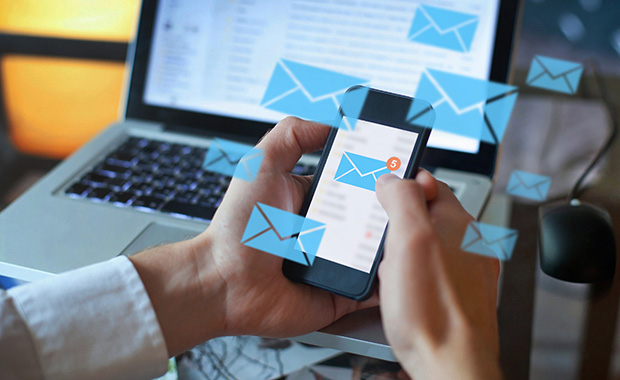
198, 71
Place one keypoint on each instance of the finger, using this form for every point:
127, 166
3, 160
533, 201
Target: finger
305, 181
403, 200
428, 184
343, 306
291, 138
445, 200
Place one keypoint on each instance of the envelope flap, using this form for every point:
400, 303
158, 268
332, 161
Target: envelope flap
285, 223
231, 150
531, 179
446, 19
466, 92
463, 91
278, 87
495, 89
494, 234
320, 82
557, 67
365, 165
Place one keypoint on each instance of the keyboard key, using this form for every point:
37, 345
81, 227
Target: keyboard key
197, 211
98, 180
77, 189
125, 160
164, 192
148, 202
123, 197
99, 193
113, 170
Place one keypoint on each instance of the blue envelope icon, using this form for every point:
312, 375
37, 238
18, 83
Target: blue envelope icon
554, 74
283, 234
489, 240
233, 159
465, 106
443, 28
360, 171
528, 185
314, 93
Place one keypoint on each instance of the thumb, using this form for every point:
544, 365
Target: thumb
404, 201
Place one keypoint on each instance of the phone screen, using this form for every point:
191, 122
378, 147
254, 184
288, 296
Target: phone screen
345, 198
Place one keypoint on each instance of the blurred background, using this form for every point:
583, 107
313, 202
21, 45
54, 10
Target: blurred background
62, 66
61, 78
61, 82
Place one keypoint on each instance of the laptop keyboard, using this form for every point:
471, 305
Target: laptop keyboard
157, 176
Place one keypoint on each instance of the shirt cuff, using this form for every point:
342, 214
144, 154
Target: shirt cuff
96, 321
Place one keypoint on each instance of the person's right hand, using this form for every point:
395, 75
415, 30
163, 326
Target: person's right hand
438, 303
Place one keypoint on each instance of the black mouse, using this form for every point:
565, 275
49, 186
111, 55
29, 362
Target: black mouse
577, 242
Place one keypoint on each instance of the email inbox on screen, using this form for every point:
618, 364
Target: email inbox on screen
354, 218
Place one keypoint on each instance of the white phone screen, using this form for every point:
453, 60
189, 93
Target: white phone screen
345, 199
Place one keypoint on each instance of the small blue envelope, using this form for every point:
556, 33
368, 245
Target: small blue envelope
488, 240
233, 159
315, 94
528, 185
283, 234
465, 106
555, 74
443, 28
360, 171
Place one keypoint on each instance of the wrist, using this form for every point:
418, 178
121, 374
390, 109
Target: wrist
185, 291
460, 355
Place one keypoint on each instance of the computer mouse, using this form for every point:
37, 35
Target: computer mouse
576, 242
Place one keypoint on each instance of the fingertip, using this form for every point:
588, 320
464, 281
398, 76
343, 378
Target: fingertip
385, 179
428, 183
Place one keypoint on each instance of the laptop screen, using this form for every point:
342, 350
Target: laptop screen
217, 57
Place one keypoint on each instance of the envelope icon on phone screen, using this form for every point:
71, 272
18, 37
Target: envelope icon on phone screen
554, 74
314, 93
233, 159
489, 240
443, 28
360, 171
466, 106
283, 234
528, 185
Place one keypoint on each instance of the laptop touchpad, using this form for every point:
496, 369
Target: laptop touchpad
158, 234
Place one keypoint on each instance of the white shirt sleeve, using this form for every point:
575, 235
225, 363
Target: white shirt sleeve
96, 322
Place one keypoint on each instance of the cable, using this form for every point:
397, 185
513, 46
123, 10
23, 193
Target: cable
615, 126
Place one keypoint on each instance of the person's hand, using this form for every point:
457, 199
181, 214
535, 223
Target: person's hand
213, 285
260, 299
438, 303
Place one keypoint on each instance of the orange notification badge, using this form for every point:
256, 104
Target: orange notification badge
393, 163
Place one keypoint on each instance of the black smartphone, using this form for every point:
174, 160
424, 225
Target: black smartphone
387, 137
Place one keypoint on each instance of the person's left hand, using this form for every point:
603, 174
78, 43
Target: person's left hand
260, 299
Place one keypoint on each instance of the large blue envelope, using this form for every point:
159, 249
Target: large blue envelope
528, 185
443, 28
467, 106
360, 171
233, 159
554, 74
489, 240
283, 234
314, 93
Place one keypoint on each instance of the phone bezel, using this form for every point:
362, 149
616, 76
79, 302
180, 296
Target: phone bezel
382, 108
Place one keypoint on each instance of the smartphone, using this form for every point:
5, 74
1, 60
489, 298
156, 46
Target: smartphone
342, 194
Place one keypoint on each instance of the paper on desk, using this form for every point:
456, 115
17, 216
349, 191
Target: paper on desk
248, 357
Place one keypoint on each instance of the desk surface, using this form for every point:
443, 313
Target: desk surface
552, 329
